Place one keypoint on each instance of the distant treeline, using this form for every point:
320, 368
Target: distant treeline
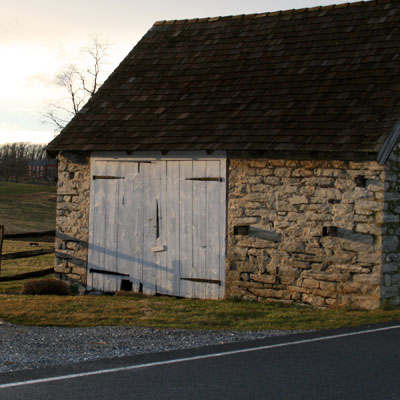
15, 159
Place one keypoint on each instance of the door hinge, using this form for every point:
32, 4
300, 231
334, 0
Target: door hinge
107, 177
215, 281
205, 179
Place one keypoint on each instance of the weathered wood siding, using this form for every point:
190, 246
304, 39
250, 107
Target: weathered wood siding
158, 223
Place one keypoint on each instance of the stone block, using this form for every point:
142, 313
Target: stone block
369, 228
391, 291
265, 171
324, 194
282, 172
79, 271
367, 206
365, 303
390, 267
302, 172
315, 301
310, 284
367, 279
264, 278
390, 218
328, 286
390, 243
272, 180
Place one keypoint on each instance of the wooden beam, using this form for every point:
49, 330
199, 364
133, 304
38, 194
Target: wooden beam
389, 144
27, 275
26, 254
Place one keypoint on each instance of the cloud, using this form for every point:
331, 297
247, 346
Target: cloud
40, 79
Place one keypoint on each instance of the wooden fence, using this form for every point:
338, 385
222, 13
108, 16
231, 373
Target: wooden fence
24, 254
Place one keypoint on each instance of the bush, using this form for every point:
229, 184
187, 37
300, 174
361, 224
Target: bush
46, 286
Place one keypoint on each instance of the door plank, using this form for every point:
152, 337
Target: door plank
164, 275
111, 228
222, 233
186, 230
213, 230
149, 228
97, 226
172, 226
199, 228
129, 228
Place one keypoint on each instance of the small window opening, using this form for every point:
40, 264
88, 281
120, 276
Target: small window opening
241, 230
329, 231
126, 285
360, 181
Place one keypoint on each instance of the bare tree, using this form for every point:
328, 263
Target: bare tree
78, 85
15, 157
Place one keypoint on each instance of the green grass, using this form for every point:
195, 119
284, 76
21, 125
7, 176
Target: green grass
168, 312
27, 208
22, 265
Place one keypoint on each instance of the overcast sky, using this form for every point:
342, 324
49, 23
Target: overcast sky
38, 38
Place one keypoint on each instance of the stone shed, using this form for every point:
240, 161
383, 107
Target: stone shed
253, 156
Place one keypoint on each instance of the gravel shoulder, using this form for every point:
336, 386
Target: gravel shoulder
23, 347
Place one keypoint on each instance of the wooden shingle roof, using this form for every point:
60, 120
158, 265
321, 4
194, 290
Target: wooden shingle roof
319, 79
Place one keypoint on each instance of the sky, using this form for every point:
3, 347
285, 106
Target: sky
39, 38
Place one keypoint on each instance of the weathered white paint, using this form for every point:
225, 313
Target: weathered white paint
158, 225
199, 229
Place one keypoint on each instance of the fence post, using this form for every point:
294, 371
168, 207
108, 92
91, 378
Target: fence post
1, 242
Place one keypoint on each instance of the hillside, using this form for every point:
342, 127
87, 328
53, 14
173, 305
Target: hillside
27, 208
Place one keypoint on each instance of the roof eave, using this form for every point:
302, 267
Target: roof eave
389, 144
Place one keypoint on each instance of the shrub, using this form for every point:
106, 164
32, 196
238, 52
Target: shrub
46, 286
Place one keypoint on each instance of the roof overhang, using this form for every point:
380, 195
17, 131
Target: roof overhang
389, 144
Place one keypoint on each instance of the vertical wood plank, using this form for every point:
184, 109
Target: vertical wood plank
149, 228
97, 225
185, 227
111, 224
129, 228
222, 234
213, 229
199, 228
164, 275
172, 226
137, 230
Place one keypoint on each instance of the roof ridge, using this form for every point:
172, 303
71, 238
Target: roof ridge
271, 13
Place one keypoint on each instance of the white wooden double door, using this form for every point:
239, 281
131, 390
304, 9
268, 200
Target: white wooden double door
158, 226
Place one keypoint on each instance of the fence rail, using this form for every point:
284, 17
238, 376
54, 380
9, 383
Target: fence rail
24, 254
29, 234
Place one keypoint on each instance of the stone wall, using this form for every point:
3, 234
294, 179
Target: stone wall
391, 231
306, 232
73, 195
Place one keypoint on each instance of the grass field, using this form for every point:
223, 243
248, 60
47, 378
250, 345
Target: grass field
27, 208
168, 312
22, 265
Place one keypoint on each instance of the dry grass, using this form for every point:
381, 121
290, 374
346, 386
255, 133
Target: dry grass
22, 265
167, 312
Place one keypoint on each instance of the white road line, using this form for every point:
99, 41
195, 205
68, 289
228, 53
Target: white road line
179, 360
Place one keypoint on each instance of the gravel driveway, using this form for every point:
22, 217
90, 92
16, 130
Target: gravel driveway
24, 347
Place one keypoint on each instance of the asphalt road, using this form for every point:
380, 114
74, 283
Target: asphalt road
362, 363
